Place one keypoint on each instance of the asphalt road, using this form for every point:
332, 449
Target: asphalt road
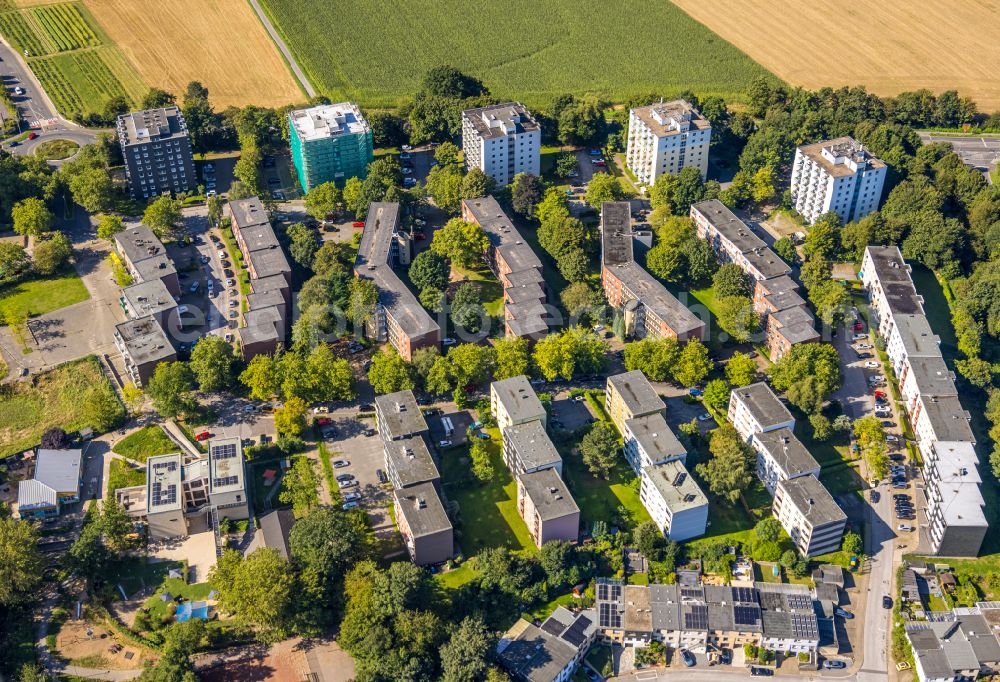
978, 152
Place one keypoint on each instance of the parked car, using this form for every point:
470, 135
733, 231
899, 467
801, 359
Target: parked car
340, 463
886, 601
844, 614
382, 478
689, 660
349, 505
345, 477
875, 497
448, 341
347, 484
757, 671
444, 444
891, 439
32, 135
860, 337
358, 223
704, 417
204, 435
871, 364
905, 528
834, 664
695, 392
350, 497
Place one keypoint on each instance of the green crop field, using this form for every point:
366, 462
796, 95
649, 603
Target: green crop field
21, 35
376, 51
65, 27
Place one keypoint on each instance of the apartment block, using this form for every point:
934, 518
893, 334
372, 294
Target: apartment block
152, 299
501, 140
145, 258
550, 652
787, 328
956, 511
427, 532
648, 441
527, 448
734, 242
630, 395
781, 457
156, 147
55, 482
649, 310
329, 143
756, 409
143, 345
666, 138
838, 175
399, 318
809, 515
516, 265
548, 509
674, 501
513, 402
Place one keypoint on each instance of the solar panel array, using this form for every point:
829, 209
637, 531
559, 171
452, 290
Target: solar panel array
696, 617
609, 616
577, 632
161, 494
798, 601
692, 592
224, 451
553, 627
803, 626
224, 481
771, 601
745, 594
746, 615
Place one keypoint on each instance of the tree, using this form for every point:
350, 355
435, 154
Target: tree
460, 242
117, 528
785, 248
558, 559
290, 418
174, 665
14, 262
262, 376
440, 379
737, 317
323, 200
482, 467
822, 426
820, 361
730, 280
767, 529
560, 234
553, 203
362, 295
603, 187
55, 439
870, 436
566, 164
429, 269
213, 206
690, 189
526, 192
20, 563
444, 185
31, 217
471, 363
52, 254
432, 299
108, 226
513, 357
832, 301
170, 389
727, 473
477, 184
823, 239
330, 377
213, 362
599, 449
299, 486
305, 242
741, 369
574, 265
649, 540
88, 556
467, 312
93, 189
387, 129
390, 373
258, 591
156, 98
579, 298
692, 365
717, 394
581, 123
163, 215
653, 357
852, 543
572, 350
466, 654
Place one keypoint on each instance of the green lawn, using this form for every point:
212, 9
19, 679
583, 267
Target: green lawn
39, 296
135, 573
599, 658
147, 442
375, 52
121, 475
63, 397
599, 499
488, 512
545, 610
176, 587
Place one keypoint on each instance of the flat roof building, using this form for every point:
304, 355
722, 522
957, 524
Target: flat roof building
143, 345
501, 140
781, 456
409, 462
674, 501
527, 448
648, 440
548, 509
145, 257
329, 143
755, 409
227, 479
513, 401
665, 138
424, 524
838, 175
809, 515
399, 416
156, 148
734, 242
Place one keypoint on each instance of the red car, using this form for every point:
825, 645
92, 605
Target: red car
204, 435
32, 136
859, 326
879, 394
323, 421
419, 235
358, 224
599, 163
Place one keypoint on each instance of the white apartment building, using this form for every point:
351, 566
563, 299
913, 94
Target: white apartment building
756, 409
513, 401
666, 138
648, 441
781, 457
838, 175
956, 516
670, 495
501, 140
809, 515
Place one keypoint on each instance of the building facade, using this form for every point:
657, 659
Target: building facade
666, 138
809, 515
156, 148
630, 395
422, 521
838, 175
513, 401
780, 457
756, 409
546, 506
674, 501
501, 140
329, 143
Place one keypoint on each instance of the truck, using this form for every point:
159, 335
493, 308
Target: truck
449, 428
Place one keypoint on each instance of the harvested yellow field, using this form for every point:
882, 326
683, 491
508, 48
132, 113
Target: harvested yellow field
218, 42
889, 46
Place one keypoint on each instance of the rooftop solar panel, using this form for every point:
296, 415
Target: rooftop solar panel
224, 451
799, 601
225, 480
577, 632
746, 615
696, 617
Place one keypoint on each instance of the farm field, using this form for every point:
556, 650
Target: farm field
896, 45
376, 51
221, 43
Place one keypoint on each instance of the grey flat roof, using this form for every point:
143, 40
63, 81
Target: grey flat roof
549, 495
163, 483
58, 469
412, 461
400, 416
268, 262
812, 500
248, 212
894, 276
422, 508
259, 236
145, 340
767, 262
533, 292
763, 404
655, 437
665, 111
262, 324
502, 234
737, 232
616, 233
528, 326
777, 285
785, 299
655, 297
787, 450
532, 444
948, 418
512, 116
525, 278
933, 377
328, 121
518, 398
270, 283
155, 267
796, 324
265, 299
676, 486
842, 146
139, 243
149, 297
636, 392
225, 465
139, 127
917, 336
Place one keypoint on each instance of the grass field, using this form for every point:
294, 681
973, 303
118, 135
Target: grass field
376, 51
55, 150
57, 398
40, 296
897, 46
220, 43
147, 442
121, 475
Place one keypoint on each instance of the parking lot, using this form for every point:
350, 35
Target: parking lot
570, 414
979, 152
461, 420
365, 458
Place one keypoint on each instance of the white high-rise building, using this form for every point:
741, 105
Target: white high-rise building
838, 175
666, 138
501, 140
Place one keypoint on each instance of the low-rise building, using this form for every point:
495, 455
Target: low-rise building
775, 294
666, 138
548, 509
145, 258
809, 515
756, 409
674, 501
630, 395
408, 462
648, 441
143, 345
151, 299
780, 457
647, 307
786, 328
399, 318
513, 401
550, 652
838, 175
227, 479
789, 618
527, 448
957, 645
427, 532
55, 482
501, 140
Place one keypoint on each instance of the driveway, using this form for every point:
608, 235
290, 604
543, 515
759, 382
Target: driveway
979, 152
366, 457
